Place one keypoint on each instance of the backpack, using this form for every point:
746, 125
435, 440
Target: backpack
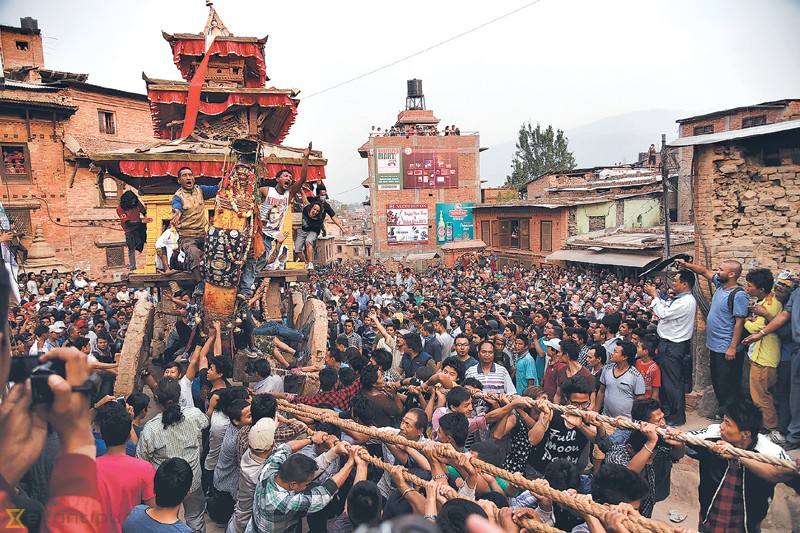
732, 297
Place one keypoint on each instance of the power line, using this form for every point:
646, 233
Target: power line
428, 49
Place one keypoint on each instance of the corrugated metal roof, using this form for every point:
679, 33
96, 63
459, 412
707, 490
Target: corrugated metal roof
733, 135
602, 258
764, 105
422, 257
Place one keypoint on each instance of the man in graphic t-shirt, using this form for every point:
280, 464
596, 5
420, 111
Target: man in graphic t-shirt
272, 212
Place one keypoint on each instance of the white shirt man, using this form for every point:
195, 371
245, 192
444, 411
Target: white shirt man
167, 241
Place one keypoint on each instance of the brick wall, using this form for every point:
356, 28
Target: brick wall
468, 190
745, 211
67, 203
534, 255
14, 57
131, 116
729, 122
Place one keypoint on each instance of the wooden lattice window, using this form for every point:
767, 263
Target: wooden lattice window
751, 122
704, 130
115, 256
486, 233
16, 165
546, 236
107, 122
20, 220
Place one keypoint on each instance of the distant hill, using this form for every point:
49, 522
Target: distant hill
608, 141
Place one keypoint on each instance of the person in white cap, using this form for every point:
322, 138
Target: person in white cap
261, 440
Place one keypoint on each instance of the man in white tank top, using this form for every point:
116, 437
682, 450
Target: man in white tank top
272, 212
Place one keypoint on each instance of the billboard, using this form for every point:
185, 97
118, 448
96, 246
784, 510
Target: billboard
387, 168
407, 223
454, 222
426, 168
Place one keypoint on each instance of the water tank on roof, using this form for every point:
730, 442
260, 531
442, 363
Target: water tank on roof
29, 23
414, 88
415, 100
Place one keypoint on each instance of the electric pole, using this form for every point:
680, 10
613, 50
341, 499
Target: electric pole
665, 197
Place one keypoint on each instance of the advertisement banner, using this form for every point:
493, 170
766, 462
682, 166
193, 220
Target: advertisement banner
387, 168
407, 223
430, 168
454, 222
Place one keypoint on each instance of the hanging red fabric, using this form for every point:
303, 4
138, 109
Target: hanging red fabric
193, 102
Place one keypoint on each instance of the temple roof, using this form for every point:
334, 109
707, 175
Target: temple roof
152, 168
174, 37
156, 84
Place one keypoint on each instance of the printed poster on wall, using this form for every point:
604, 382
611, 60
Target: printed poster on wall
387, 168
407, 223
430, 168
454, 222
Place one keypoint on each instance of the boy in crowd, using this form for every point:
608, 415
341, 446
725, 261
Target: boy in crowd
648, 368
172, 483
620, 383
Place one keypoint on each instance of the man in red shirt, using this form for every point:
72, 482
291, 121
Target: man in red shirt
132, 217
124, 481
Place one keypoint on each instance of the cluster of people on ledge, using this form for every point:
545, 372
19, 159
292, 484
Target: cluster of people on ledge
409, 130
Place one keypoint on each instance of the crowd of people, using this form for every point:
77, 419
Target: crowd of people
467, 361
421, 130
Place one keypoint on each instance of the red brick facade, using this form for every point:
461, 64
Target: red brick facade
21, 47
59, 191
468, 189
488, 224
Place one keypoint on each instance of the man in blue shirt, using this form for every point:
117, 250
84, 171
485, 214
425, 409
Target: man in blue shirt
725, 329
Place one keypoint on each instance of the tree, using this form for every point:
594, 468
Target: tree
539, 151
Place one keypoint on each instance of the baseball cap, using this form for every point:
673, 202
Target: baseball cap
55, 328
262, 435
554, 344
81, 323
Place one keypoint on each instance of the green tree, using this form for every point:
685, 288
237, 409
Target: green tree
539, 151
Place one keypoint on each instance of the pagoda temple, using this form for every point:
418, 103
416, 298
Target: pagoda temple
223, 96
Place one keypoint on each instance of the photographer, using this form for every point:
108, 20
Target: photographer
73, 495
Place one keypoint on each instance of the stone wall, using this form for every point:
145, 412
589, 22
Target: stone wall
745, 211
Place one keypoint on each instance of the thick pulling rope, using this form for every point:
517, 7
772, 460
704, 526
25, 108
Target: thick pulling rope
683, 437
286, 372
450, 493
634, 523
447, 490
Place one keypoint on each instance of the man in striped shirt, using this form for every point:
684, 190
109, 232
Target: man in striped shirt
495, 378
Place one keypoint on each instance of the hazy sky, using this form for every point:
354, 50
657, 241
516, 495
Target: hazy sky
560, 62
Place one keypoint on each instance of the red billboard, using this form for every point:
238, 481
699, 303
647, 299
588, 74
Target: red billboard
425, 168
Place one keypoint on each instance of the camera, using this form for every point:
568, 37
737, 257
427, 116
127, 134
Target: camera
28, 366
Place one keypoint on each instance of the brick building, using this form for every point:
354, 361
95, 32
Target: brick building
420, 174
714, 123
51, 120
746, 195
558, 208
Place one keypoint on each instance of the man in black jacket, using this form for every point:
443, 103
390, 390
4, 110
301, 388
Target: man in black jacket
735, 493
